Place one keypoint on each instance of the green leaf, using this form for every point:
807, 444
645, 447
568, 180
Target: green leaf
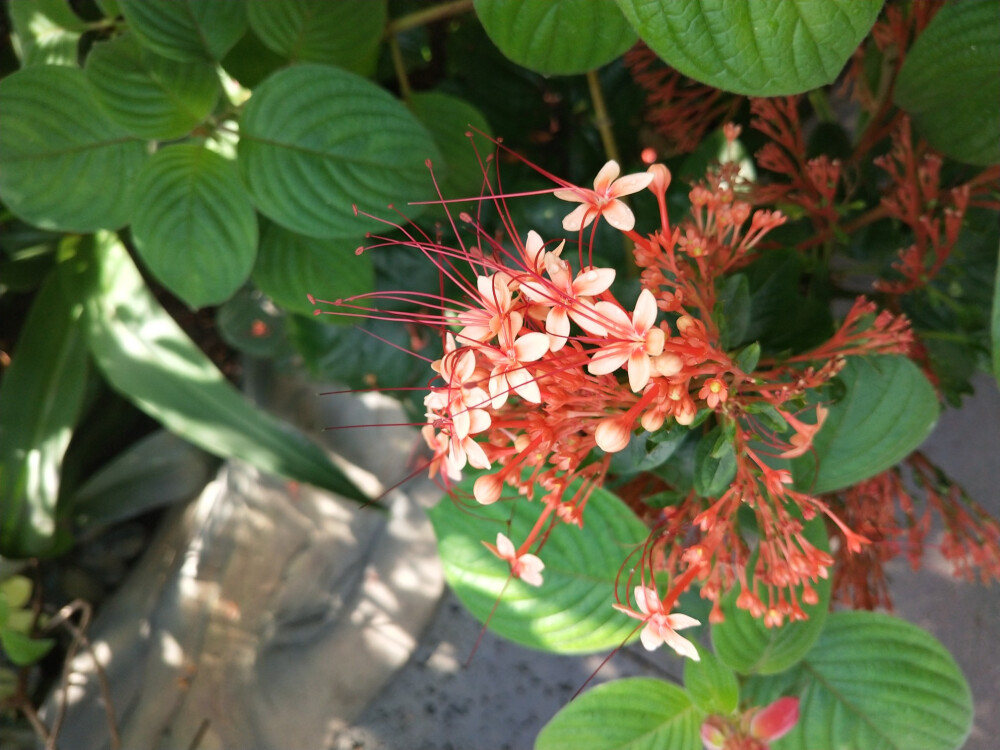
147, 358
149, 95
571, 612
15, 592
742, 641
888, 411
556, 37
22, 649
157, 470
711, 684
448, 120
63, 163
291, 266
346, 33
732, 310
316, 140
186, 29
950, 82
714, 464
194, 224
754, 48
40, 399
781, 316
873, 681
44, 32
638, 713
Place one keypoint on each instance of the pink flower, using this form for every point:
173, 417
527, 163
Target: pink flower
632, 341
565, 296
603, 199
508, 357
527, 567
661, 626
494, 305
714, 392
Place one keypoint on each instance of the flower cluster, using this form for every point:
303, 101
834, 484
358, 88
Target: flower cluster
546, 373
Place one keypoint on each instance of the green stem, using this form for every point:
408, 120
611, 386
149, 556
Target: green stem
397, 63
426, 16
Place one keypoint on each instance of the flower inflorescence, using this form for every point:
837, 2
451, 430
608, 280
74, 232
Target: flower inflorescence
546, 373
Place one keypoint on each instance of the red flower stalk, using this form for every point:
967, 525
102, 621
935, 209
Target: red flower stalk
811, 184
681, 109
916, 199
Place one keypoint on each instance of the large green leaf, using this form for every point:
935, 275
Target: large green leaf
40, 398
745, 644
448, 119
317, 140
889, 408
149, 95
186, 29
711, 684
561, 37
345, 33
157, 470
638, 713
571, 611
291, 266
754, 48
45, 32
873, 681
63, 163
950, 82
148, 359
194, 224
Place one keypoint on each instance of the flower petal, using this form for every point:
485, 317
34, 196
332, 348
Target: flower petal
639, 370
644, 316
679, 621
593, 281
579, 217
681, 645
576, 195
608, 174
650, 637
608, 359
505, 547
647, 600
475, 454
529, 569
531, 347
630, 183
618, 215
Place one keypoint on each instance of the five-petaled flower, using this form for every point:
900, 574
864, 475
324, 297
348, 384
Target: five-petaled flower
603, 200
661, 626
527, 567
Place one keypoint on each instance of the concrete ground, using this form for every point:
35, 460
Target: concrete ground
507, 693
